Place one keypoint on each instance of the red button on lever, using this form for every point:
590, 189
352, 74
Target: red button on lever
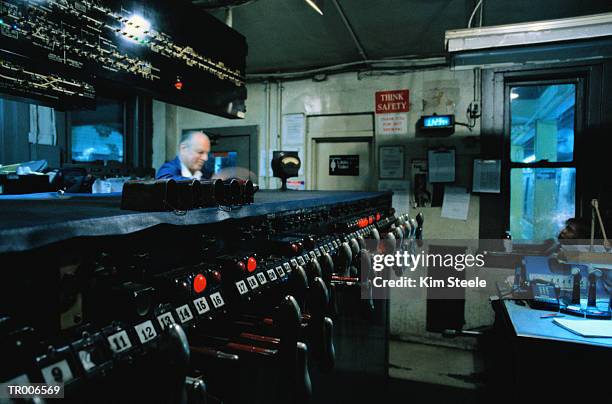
251, 264
199, 283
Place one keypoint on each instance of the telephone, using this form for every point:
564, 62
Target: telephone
544, 295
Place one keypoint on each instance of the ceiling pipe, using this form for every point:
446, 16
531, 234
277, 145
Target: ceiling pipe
348, 26
375, 64
229, 16
476, 7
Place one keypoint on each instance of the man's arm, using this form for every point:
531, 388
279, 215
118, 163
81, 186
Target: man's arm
169, 170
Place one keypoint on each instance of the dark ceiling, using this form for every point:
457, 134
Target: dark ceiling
288, 35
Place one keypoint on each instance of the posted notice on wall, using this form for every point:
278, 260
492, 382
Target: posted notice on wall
441, 165
293, 130
456, 203
401, 193
486, 176
391, 162
391, 109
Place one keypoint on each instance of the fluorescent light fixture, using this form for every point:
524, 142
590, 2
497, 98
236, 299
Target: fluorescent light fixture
529, 33
513, 96
316, 4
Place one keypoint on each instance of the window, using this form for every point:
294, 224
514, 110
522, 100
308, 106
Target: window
223, 160
542, 168
98, 135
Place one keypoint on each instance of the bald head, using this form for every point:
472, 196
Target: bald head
193, 150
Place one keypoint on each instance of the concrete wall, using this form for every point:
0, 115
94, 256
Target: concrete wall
440, 90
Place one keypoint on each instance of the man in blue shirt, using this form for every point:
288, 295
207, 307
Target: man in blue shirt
193, 154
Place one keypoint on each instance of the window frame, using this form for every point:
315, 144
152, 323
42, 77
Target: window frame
521, 79
138, 137
126, 138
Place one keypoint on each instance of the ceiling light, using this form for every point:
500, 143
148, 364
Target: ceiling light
513, 96
136, 28
317, 5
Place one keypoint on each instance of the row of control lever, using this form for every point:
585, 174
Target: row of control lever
188, 333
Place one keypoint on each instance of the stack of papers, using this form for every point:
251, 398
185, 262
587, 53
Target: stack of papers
587, 328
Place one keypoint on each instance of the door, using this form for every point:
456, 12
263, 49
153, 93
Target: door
343, 165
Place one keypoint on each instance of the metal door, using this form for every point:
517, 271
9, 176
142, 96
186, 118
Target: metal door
334, 165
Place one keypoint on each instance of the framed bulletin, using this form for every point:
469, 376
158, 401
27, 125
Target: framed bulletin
486, 176
441, 165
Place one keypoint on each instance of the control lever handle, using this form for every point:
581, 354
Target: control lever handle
327, 268
333, 301
361, 242
212, 353
302, 386
318, 299
368, 303
178, 353
374, 245
288, 319
313, 270
195, 391
342, 260
328, 357
298, 284
175, 356
388, 244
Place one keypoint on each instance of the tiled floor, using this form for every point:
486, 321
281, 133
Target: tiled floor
354, 388
433, 364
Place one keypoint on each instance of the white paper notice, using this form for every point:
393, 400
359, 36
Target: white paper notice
456, 203
391, 162
486, 176
294, 126
392, 124
401, 193
441, 165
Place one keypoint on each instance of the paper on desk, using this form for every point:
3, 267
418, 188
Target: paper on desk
587, 328
456, 203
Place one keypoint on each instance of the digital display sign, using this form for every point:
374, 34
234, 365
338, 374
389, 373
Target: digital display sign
438, 121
